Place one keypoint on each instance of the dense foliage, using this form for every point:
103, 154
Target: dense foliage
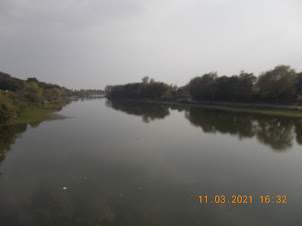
88, 92
280, 85
17, 95
147, 89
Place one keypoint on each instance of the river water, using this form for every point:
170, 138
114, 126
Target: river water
127, 163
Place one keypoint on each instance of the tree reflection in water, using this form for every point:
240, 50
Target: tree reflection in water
275, 131
148, 111
8, 135
10, 132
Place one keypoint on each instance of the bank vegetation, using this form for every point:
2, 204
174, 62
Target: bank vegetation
19, 97
279, 86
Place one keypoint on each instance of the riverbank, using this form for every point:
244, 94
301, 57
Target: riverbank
39, 114
266, 109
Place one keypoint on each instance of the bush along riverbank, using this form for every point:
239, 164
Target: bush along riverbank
29, 100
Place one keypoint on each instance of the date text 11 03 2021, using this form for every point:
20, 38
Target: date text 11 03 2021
242, 199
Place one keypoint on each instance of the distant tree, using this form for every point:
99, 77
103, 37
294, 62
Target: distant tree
45, 85
32, 80
299, 83
278, 84
108, 89
173, 87
7, 108
4, 76
155, 90
243, 90
225, 88
33, 93
203, 88
132, 90
52, 94
183, 92
9, 83
145, 80
152, 90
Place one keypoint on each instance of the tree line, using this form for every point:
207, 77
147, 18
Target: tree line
279, 85
88, 92
17, 95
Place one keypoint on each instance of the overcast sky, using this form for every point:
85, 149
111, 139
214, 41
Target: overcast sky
93, 43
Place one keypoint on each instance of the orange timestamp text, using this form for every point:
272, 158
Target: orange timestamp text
238, 199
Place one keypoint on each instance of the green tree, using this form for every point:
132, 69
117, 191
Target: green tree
33, 93
145, 80
243, 90
53, 94
203, 88
225, 88
35, 80
9, 83
299, 86
155, 90
108, 90
7, 109
278, 84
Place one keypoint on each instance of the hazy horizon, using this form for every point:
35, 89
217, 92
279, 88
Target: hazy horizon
90, 44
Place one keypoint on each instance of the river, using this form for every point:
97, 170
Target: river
127, 163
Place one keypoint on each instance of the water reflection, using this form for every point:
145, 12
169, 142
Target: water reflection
85, 98
148, 111
298, 130
8, 135
276, 132
10, 132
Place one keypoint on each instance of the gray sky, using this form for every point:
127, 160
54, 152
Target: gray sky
93, 43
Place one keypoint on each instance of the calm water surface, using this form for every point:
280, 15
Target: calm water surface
117, 163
